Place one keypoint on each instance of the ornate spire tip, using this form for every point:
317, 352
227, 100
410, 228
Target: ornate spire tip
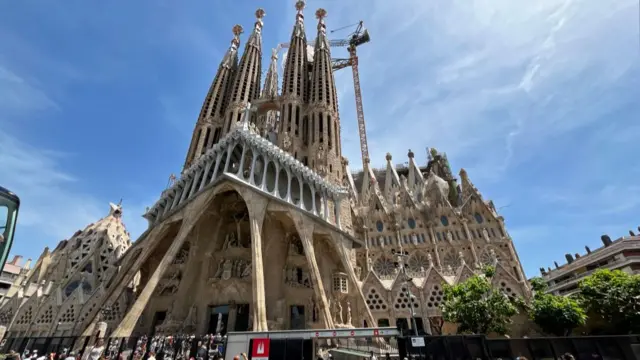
260, 13
300, 5
237, 30
321, 14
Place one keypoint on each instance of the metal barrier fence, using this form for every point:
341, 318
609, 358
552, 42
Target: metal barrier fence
480, 347
475, 347
178, 347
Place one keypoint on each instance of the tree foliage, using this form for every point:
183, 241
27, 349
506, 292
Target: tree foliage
556, 315
477, 307
614, 296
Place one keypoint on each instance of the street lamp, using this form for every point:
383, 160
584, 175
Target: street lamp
402, 265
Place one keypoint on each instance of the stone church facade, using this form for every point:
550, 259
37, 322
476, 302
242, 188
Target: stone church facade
268, 228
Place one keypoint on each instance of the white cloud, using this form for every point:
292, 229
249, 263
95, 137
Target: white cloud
500, 77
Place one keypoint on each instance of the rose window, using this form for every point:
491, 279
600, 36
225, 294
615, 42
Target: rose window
418, 263
450, 260
384, 267
487, 259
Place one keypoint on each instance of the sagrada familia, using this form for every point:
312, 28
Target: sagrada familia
267, 228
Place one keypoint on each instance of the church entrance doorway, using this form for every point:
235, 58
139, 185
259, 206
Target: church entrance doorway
218, 319
242, 318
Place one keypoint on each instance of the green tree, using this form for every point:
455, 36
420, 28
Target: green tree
477, 307
556, 315
614, 296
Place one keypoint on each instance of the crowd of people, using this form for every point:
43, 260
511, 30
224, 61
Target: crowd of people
159, 347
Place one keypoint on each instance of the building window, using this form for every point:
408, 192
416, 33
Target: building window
444, 220
340, 283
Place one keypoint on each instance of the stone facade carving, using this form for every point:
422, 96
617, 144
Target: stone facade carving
297, 277
232, 268
296, 182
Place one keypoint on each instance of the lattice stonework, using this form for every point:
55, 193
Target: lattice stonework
69, 315
5, 316
340, 283
404, 300
26, 317
434, 297
87, 312
47, 316
376, 301
508, 290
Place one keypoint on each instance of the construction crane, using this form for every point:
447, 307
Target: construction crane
358, 37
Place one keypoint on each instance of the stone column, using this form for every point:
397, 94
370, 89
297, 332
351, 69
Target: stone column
191, 215
305, 230
338, 240
257, 206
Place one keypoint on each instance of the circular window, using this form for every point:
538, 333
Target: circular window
412, 223
379, 226
478, 217
444, 220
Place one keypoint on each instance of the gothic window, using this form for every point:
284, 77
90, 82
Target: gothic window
375, 301
329, 132
379, 226
404, 300
478, 218
434, 298
444, 220
340, 283
74, 285
297, 128
412, 223
321, 127
493, 232
384, 267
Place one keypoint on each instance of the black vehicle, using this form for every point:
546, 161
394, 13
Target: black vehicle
9, 205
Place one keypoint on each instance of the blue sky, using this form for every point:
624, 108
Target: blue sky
538, 100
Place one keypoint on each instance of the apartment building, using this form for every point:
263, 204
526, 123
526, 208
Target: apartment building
622, 254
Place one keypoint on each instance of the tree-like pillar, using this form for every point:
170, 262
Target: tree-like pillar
257, 206
338, 242
305, 230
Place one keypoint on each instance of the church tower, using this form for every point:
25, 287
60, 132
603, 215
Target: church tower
210, 123
246, 85
294, 131
323, 110
267, 121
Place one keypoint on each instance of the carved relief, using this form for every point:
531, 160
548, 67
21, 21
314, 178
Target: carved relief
227, 269
297, 277
169, 284
295, 246
183, 255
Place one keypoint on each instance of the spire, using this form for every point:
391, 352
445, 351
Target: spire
324, 117
294, 131
208, 128
246, 84
270, 88
294, 81
267, 121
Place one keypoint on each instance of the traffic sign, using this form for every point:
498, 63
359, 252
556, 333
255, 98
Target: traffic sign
260, 349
